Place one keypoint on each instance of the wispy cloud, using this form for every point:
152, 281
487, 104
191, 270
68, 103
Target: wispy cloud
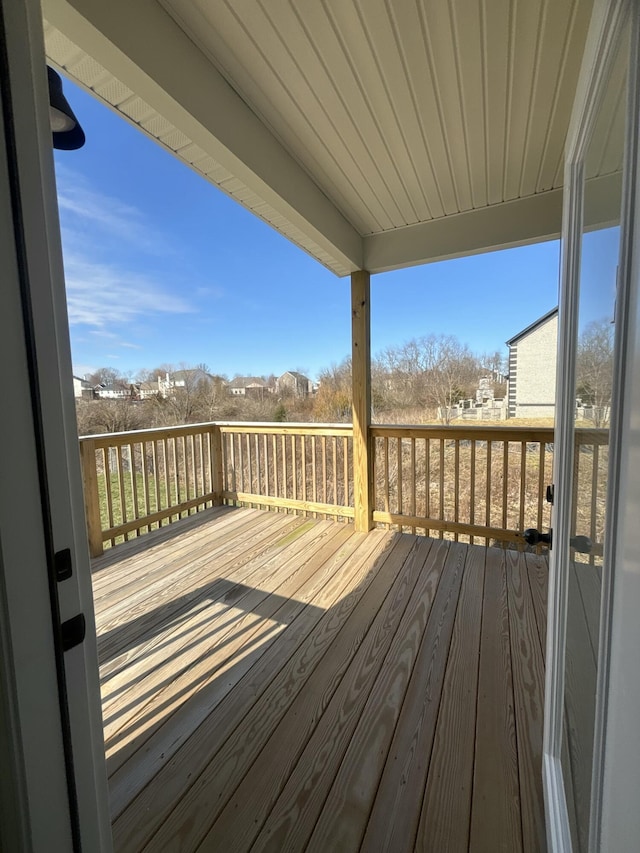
85, 209
103, 296
108, 287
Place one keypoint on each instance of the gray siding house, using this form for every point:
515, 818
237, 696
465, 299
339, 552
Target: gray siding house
532, 369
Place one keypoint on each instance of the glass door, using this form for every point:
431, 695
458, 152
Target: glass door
594, 239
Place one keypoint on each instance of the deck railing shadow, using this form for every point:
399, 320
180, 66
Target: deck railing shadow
243, 655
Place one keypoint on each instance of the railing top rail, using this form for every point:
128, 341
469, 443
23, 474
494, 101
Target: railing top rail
285, 428
109, 439
272, 427
479, 433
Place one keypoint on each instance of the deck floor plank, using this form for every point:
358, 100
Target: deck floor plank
253, 636
334, 775
446, 809
495, 812
165, 796
256, 760
404, 777
233, 616
272, 682
528, 687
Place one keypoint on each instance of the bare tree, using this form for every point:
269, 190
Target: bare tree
594, 369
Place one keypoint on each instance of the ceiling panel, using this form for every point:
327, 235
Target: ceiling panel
404, 111
385, 115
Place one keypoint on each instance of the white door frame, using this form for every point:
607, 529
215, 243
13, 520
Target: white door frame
607, 22
50, 517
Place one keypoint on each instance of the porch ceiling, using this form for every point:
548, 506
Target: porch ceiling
372, 133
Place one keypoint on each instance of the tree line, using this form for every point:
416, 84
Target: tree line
420, 379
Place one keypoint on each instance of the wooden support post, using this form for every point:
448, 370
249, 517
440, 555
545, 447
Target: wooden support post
217, 476
361, 398
91, 496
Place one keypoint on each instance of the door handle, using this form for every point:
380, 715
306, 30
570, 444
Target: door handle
582, 544
534, 537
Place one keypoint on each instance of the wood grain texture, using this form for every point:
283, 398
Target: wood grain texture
277, 683
495, 813
527, 667
338, 771
403, 780
218, 752
361, 397
446, 809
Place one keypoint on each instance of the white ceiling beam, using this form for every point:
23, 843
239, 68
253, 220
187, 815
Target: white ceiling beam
143, 47
501, 226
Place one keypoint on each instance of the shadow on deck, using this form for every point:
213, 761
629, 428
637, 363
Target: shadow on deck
271, 682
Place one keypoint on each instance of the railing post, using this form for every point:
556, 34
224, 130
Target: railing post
217, 478
91, 496
361, 398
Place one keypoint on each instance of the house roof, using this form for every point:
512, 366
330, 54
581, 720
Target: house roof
247, 382
539, 322
299, 376
372, 135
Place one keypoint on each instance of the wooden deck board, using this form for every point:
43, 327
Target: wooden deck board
272, 682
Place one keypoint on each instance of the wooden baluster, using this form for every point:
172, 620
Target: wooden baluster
156, 477
345, 463
145, 480
456, 485
217, 468
593, 530
294, 467
400, 473
134, 484
505, 484
488, 491
541, 484
303, 443
109, 491
441, 485
472, 488
123, 502
285, 484
523, 483
427, 481
91, 496
324, 471
275, 467
386, 477
314, 474
265, 451
413, 481
335, 470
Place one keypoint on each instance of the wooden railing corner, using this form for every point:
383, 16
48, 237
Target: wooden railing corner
91, 496
217, 475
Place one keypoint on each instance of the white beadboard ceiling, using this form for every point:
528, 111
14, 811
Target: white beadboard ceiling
375, 133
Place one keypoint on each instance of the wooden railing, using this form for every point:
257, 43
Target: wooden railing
471, 482
137, 481
302, 467
477, 484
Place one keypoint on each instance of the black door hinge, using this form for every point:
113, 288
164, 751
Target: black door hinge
73, 632
550, 493
63, 564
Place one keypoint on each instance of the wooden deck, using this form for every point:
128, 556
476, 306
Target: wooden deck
272, 682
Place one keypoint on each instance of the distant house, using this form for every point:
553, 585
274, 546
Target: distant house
532, 369
293, 382
148, 389
249, 386
82, 389
168, 383
118, 390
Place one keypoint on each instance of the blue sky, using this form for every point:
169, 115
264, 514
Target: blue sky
161, 267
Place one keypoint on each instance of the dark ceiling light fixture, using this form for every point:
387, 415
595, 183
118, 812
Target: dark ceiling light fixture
65, 127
